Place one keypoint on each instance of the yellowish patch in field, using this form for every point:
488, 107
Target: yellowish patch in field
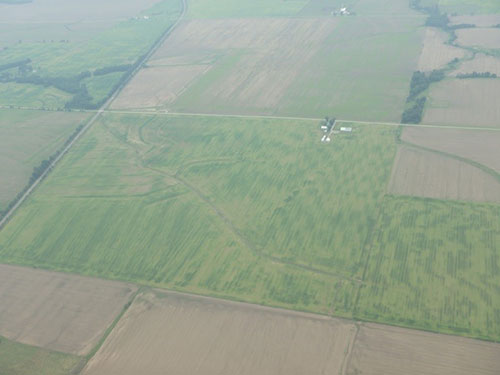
273, 52
486, 38
435, 53
57, 311
383, 350
158, 86
480, 146
426, 174
472, 102
481, 64
483, 20
168, 333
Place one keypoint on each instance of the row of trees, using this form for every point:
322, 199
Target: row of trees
413, 114
420, 82
113, 69
476, 75
38, 171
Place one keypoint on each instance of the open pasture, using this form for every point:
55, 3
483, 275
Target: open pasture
384, 350
211, 205
469, 102
481, 64
436, 54
171, 333
66, 313
479, 37
477, 146
20, 359
433, 265
423, 173
27, 138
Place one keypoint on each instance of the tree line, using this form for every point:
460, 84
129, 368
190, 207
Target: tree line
476, 75
420, 82
39, 170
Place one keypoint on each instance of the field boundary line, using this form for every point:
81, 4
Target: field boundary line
470, 162
316, 119
262, 117
96, 116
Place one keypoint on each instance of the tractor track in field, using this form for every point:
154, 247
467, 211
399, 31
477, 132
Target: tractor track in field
249, 244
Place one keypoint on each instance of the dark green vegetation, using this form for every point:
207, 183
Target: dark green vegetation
66, 65
420, 82
476, 75
262, 211
19, 359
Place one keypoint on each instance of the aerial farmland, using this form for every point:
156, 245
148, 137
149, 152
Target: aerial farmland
249, 187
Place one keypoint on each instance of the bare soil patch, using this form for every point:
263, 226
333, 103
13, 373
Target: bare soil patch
384, 350
169, 333
256, 61
427, 174
157, 86
486, 38
483, 20
472, 102
57, 311
481, 64
435, 53
480, 146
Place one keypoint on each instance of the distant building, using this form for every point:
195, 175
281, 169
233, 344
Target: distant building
344, 11
348, 130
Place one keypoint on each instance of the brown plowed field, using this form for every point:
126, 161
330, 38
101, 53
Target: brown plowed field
383, 350
158, 86
257, 60
481, 64
168, 333
171, 333
435, 53
56, 311
486, 38
480, 146
471, 102
483, 20
427, 174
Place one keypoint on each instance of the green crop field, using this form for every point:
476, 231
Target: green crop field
238, 208
19, 359
120, 44
262, 211
27, 138
435, 265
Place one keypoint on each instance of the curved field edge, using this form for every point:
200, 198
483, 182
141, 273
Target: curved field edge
122, 205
